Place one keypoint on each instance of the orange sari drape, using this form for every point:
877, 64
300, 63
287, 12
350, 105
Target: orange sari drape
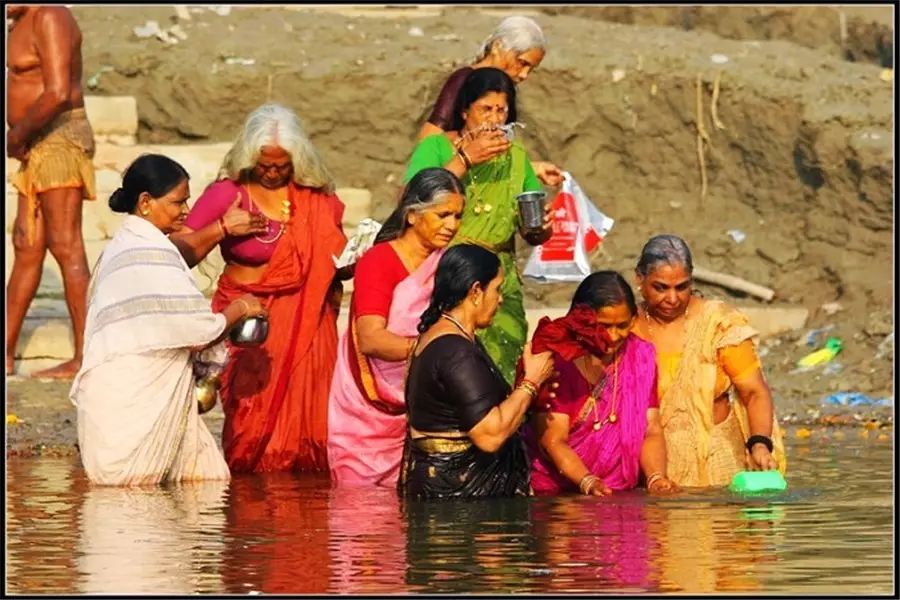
275, 396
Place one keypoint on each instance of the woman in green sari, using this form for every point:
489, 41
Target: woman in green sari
478, 149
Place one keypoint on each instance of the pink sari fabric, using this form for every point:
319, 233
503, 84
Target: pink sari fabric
365, 441
612, 453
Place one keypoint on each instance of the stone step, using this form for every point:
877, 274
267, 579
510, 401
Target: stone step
48, 335
202, 162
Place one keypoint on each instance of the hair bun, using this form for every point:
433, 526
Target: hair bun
117, 201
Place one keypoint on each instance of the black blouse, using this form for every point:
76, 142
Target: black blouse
452, 385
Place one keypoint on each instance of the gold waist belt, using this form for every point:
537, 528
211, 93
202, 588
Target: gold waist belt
431, 445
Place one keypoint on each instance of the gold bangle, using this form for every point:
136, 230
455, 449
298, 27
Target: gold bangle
528, 387
465, 157
587, 483
245, 304
654, 478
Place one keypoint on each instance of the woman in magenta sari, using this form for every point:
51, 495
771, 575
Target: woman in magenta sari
392, 287
599, 428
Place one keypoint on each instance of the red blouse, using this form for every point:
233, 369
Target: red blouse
377, 273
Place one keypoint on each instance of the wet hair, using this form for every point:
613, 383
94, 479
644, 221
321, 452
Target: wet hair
664, 249
604, 288
515, 33
477, 84
152, 173
275, 125
428, 188
457, 271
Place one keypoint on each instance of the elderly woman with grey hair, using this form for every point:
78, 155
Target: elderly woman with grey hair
393, 283
516, 47
704, 351
275, 395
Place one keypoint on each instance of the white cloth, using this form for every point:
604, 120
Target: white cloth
138, 421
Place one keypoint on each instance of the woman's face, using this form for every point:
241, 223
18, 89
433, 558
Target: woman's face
490, 110
519, 65
435, 226
167, 212
489, 300
618, 320
666, 290
274, 167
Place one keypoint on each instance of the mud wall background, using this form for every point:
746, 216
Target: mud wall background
803, 166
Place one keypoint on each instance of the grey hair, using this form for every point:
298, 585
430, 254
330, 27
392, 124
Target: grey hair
275, 125
514, 33
664, 249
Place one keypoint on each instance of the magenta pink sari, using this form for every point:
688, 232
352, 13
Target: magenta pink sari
612, 453
366, 405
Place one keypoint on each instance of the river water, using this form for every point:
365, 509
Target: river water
830, 533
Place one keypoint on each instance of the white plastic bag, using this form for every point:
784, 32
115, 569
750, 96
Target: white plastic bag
578, 228
362, 240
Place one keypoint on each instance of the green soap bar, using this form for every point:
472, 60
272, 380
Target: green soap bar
757, 481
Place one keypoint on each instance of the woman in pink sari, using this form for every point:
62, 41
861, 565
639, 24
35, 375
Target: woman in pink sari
598, 428
392, 287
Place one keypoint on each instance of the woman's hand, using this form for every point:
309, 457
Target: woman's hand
537, 367
663, 486
251, 306
240, 222
761, 459
485, 145
547, 172
600, 489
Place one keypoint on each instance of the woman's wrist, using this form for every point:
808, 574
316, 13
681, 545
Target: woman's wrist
654, 477
759, 439
588, 483
245, 306
223, 229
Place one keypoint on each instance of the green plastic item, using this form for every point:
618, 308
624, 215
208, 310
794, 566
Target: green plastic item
821, 356
754, 482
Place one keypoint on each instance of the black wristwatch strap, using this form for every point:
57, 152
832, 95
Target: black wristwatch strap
759, 439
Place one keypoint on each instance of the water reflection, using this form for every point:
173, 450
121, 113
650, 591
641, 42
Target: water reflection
151, 540
286, 533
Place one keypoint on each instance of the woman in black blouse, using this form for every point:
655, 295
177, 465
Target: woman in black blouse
463, 437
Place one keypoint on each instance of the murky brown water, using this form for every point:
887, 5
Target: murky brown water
830, 534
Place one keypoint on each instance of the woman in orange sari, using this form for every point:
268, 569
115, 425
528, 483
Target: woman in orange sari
705, 356
275, 396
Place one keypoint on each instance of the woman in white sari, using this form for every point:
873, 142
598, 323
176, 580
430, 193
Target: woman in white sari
148, 327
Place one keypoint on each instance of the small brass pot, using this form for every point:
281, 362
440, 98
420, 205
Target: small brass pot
206, 392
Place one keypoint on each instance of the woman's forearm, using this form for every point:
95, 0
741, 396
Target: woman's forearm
456, 165
653, 454
195, 245
567, 461
760, 411
384, 345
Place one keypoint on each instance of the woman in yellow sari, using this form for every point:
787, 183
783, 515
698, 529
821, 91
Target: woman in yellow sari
704, 351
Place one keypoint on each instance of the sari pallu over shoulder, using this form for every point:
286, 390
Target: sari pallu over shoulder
366, 405
686, 408
275, 395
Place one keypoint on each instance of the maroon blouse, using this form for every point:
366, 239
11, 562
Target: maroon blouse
442, 114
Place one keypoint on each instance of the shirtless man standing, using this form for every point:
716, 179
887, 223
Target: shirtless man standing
49, 133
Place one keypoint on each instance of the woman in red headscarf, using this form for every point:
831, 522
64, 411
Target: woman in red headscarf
599, 429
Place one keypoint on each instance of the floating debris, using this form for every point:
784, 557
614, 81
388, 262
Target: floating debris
737, 235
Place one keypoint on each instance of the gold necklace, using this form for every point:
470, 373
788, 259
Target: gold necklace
647, 318
285, 213
612, 417
459, 326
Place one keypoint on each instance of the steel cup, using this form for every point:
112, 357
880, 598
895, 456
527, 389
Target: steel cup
250, 332
531, 209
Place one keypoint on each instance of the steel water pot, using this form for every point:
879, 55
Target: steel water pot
252, 331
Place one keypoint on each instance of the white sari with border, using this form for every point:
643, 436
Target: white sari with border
138, 421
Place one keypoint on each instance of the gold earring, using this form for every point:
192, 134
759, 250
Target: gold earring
145, 212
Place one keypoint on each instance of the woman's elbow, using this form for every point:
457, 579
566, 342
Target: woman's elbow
487, 443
